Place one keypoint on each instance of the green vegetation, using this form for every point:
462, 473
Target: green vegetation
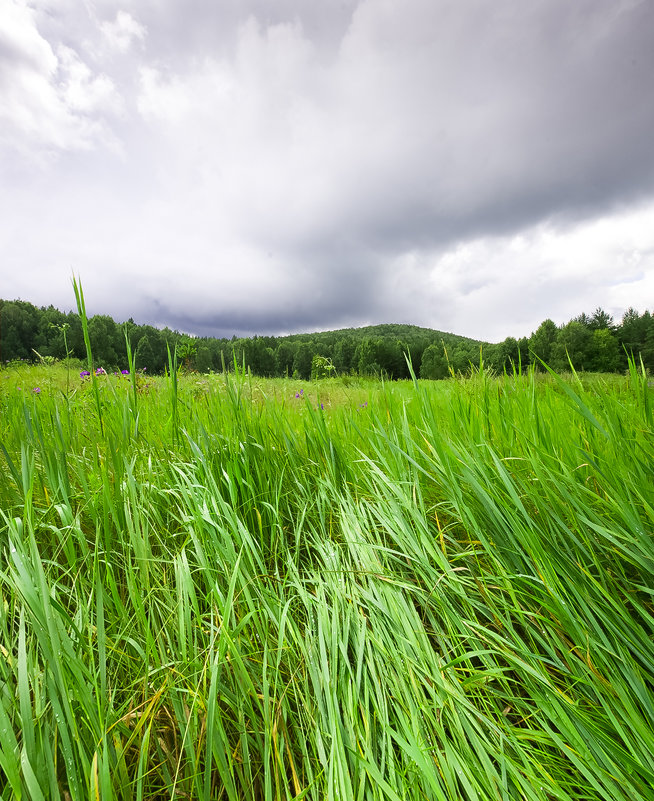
592, 343
238, 588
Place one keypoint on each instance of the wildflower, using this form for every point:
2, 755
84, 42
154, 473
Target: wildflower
101, 371
297, 394
125, 372
36, 390
321, 406
84, 374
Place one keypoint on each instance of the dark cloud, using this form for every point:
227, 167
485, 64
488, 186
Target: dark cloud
242, 167
544, 112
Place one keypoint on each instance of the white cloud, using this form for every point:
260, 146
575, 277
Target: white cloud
51, 99
20, 40
81, 91
494, 287
123, 31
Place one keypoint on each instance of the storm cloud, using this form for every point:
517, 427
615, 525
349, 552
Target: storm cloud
248, 167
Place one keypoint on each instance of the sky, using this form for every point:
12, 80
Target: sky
279, 166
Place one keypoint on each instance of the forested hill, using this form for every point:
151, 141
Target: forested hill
386, 330
592, 342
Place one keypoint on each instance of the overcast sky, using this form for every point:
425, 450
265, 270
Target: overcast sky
274, 166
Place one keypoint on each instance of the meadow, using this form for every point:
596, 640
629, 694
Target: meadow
221, 587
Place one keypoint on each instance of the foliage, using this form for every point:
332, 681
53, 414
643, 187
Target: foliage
542, 340
302, 361
434, 363
187, 348
321, 367
590, 342
573, 344
606, 351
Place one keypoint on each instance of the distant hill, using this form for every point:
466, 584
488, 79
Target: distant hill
384, 330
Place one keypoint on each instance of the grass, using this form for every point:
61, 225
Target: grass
214, 589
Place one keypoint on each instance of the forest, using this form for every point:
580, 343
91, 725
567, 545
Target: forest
591, 342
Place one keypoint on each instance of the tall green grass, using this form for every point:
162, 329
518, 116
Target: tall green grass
418, 591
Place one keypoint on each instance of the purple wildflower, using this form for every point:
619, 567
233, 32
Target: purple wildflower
125, 372
36, 390
297, 394
101, 371
321, 406
84, 374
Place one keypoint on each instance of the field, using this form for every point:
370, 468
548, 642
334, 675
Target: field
218, 587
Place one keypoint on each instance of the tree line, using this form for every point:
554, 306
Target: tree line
591, 342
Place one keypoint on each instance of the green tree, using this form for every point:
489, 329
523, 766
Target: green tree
159, 341
258, 356
321, 367
366, 357
104, 335
543, 339
583, 319
632, 331
203, 360
145, 357
506, 355
76, 336
390, 355
648, 347
462, 356
302, 361
50, 335
268, 362
574, 340
19, 323
434, 363
284, 358
187, 348
344, 350
606, 351
600, 319
523, 352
